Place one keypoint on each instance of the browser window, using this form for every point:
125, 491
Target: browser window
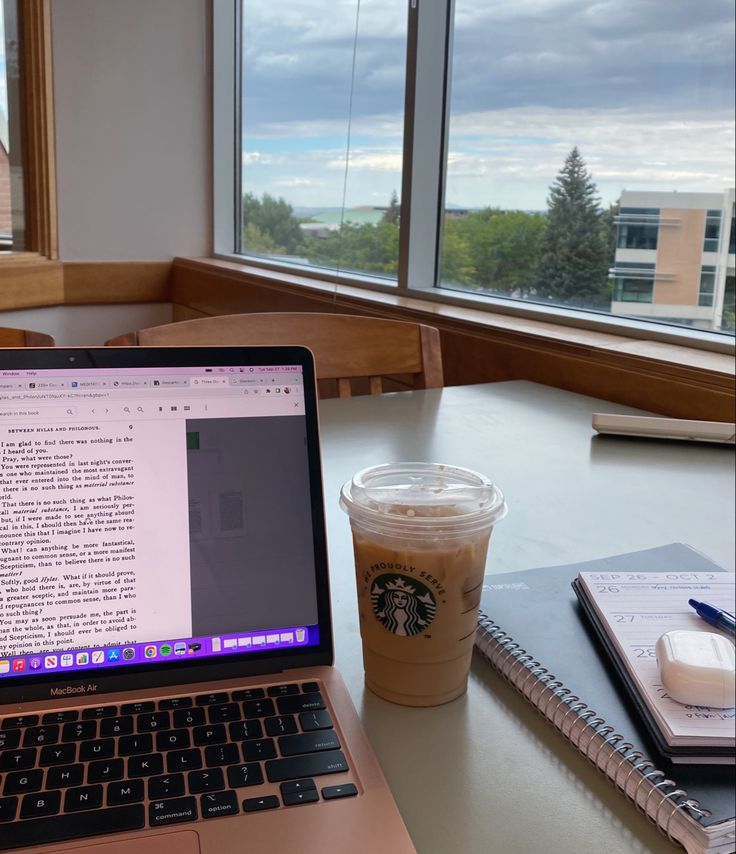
136, 513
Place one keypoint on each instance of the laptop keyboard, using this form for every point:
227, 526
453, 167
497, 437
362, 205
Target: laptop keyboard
103, 769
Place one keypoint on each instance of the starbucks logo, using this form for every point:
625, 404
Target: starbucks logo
404, 606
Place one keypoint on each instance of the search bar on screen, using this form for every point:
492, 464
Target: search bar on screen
38, 412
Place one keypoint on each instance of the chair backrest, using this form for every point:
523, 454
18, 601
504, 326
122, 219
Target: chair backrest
345, 346
11, 337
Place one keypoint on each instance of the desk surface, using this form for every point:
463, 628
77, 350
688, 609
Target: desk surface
486, 773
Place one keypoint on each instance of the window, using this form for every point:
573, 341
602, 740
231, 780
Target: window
633, 282
637, 228
483, 151
11, 175
712, 232
707, 286
322, 133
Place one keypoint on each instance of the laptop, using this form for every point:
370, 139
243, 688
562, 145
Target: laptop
166, 651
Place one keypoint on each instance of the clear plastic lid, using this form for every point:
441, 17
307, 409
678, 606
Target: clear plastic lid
410, 497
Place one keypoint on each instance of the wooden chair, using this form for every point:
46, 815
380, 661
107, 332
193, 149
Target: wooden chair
11, 337
346, 347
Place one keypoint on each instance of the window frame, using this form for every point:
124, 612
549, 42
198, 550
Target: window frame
426, 117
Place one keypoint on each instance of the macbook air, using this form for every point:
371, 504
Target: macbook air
166, 677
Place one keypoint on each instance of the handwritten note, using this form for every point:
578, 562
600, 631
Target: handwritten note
636, 608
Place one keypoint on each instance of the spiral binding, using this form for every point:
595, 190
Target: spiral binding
542, 688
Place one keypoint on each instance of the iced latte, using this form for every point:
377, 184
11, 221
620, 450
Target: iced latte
420, 535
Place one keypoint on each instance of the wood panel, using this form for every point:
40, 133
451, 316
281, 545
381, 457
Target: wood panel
28, 281
481, 347
90, 282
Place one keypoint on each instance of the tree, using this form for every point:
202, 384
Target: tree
573, 266
274, 218
393, 212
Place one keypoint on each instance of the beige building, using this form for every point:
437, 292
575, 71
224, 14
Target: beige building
675, 258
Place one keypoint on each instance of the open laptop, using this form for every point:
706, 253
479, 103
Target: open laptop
166, 678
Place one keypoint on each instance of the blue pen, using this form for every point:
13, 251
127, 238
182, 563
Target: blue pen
715, 616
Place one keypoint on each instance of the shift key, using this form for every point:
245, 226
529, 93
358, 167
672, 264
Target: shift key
313, 765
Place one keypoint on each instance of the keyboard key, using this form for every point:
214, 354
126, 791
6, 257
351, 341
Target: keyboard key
242, 730
83, 798
280, 725
223, 712
166, 786
172, 739
8, 809
270, 802
99, 712
300, 703
153, 721
297, 786
35, 736
16, 760
244, 775
259, 748
9, 739
43, 803
212, 734
129, 745
259, 708
172, 811
282, 690
175, 703
60, 717
212, 699
218, 803
19, 782
188, 717
309, 742
309, 721
249, 694
309, 796
347, 790
62, 827
63, 776
210, 780
310, 687
19, 722
105, 770
125, 792
110, 727
138, 708
103, 748
144, 766
184, 760
312, 765
221, 754
58, 754
79, 731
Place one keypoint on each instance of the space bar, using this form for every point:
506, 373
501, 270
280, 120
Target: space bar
71, 826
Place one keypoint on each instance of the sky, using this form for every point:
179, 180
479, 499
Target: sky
644, 88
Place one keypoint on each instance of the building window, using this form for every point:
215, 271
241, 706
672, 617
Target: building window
707, 286
448, 146
11, 172
712, 231
633, 282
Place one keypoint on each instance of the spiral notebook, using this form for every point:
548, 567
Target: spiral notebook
534, 633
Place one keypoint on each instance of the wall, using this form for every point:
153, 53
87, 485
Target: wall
87, 324
131, 95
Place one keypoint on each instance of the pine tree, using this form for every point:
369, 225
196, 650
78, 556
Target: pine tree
573, 266
393, 211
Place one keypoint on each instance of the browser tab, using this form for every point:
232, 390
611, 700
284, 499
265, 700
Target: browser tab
127, 382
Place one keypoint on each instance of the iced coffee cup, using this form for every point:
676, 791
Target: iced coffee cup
420, 535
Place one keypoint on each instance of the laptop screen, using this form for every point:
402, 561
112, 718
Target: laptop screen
155, 509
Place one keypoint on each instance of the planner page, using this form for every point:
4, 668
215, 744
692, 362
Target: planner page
636, 609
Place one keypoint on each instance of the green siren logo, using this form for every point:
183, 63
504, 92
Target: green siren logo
403, 605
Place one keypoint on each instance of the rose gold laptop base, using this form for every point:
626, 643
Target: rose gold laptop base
342, 811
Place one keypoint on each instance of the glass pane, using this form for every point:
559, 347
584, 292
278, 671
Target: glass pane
298, 204
585, 136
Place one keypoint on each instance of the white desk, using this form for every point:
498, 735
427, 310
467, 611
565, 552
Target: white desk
486, 773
